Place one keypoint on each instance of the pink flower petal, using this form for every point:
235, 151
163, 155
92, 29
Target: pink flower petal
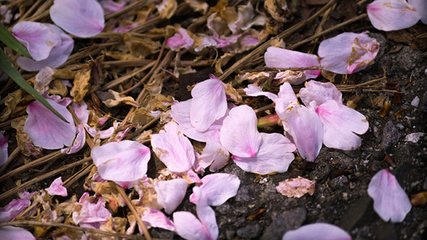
3, 148
155, 218
255, 91
43, 79
319, 92
38, 38
274, 155
283, 58
78, 143
296, 187
171, 193
58, 55
45, 129
286, 99
111, 6
209, 103
81, 111
207, 217
13, 233
390, 200
214, 155
306, 130
124, 161
318, 231
390, 15
340, 123
216, 189
173, 149
89, 213
83, 18
13, 209
348, 52
421, 8
189, 227
239, 133
179, 40
57, 188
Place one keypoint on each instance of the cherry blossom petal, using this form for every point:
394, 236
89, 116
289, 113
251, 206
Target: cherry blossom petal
78, 143
296, 187
318, 231
255, 91
83, 18
171, 193
348, 52
45, 129
57, 56
57, 188
189, 227
81, 111
319, 92
390, 200
111, 6
216, 189
3, 148
286, 98
283, 58
13, 209
390, 15
421, 8
274, 155
340, 123
90, 213
173, 149
207, 217
113, 159
155, 218
239, 133
209, 103
38, 38
214, 155
43, 79
13, 233
179, 40
306, 130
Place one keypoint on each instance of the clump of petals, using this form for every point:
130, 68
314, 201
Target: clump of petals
83, 18
180, 40
296, 187
57, 188
320, 231
4, 154
45, 129
89, 213
123, 161
170, 193
390, 200
215, 189
391, 15
12, 233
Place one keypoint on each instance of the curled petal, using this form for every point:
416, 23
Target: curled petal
255, 91
320, 231
283, 58
319, 92
12, 233
78, 143
170, 193
3, 148
14, 208
390, 200
83, 18
214, 155
57, 188
274, 155
179, 40
155, 218
45, 129
216, 189
239, 133
391, 15
113, 159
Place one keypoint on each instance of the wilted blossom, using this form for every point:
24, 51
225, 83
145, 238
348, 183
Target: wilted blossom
57, 188
45, 129
347, 52
3, 148
15, 207
180, 40
319, 231
47, 44
391, 15
13, 233
390, 201
82, 18
170, 193
90, 212
124, 161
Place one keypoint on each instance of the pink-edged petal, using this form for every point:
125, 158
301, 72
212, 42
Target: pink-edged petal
286, 98
214, 156
155, 218
57, 188
57, 56
274, 155
13, 209
390, 15
209, 103
255, 91
283, 58
239, 133
189, 227
421, 8
179, 40
170, 193
340, 123
173, 149
78, 143
319, 231
38, 38
83, 18
123, 161
4, 154
207, 217
90, 213
319, 92
390, 200
14, 233
216, 189
306, 130
347, 52
45, 129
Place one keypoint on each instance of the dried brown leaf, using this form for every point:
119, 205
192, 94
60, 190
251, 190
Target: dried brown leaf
57, 87
11, 102
198, 6
141, 47
114, 99
277, 9
167, 8
233, 93
81, 84
419, 199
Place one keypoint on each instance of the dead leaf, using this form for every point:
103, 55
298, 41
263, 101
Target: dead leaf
114, 99
57, 87
167, 8
11, 102
233, 93
277, 9
296, 187
64, 74
198, 6
109, 192
419, 199
140, 47
80, 84
222, 61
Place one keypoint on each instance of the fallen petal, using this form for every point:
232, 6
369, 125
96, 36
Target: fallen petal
319, 92
421, 8
13, 233
319, 231
414, 137
89, 213
57, 188
13, 209
189, 227
3, 148
391, 15
214, 155
255, 91
296, 187
180, 40
171, 193
215, 189
155, 218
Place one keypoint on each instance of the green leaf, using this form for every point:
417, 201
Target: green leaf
11, 42
7, 67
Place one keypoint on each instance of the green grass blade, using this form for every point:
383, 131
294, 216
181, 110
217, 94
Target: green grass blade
11, 42
7, 68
